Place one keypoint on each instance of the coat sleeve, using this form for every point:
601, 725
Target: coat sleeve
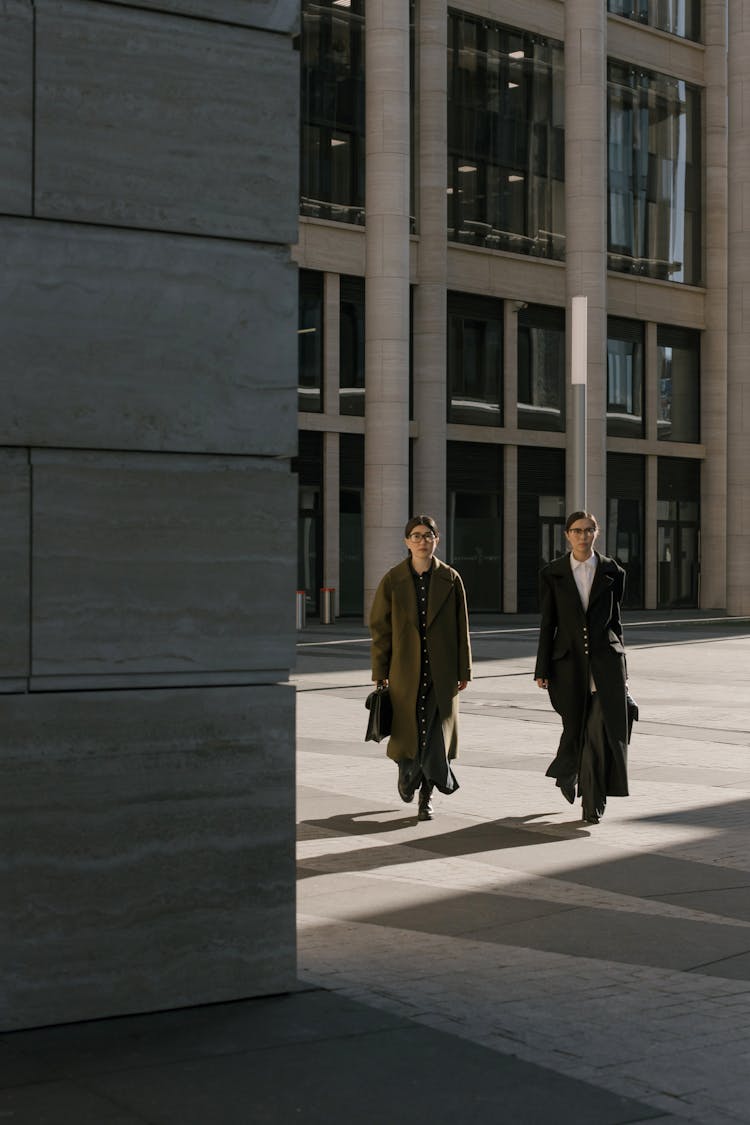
547, 628
381, 631
616, 622
462, 626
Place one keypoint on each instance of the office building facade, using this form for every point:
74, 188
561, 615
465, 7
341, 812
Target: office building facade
466, 172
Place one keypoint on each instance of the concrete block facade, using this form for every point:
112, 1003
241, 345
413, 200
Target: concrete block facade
148, 197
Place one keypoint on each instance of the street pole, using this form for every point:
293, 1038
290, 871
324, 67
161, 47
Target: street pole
578, 364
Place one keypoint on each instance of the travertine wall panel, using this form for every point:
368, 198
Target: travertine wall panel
161, 564
271, 15
146, 866
150, 120
14, 566
16, 106
130, 340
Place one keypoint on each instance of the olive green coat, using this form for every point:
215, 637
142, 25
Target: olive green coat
396, 650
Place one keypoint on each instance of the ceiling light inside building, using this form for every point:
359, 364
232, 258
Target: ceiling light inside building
467, 168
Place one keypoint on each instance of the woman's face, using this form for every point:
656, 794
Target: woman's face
581, 536
422, 542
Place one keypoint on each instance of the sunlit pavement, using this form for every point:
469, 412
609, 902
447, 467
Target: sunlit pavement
616, 954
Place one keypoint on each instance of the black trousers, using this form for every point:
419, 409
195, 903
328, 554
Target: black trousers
431, 762
592, 773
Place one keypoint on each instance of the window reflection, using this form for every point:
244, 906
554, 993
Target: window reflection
541, 368
681, 17
624, 377
333, 110
505, 138
678, 374
475, 351
310, 340
352, 346
654, 175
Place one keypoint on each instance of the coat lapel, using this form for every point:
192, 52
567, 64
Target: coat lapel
440, 588
602, 579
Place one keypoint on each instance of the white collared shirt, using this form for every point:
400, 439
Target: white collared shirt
583, 572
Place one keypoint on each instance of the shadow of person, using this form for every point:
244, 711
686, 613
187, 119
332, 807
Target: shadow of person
487, 836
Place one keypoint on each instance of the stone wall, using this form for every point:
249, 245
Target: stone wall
148, 197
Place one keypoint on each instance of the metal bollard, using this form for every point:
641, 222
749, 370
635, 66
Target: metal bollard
327, 605
301, 612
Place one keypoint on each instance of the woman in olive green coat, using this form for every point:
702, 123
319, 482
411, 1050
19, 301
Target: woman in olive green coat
421, 649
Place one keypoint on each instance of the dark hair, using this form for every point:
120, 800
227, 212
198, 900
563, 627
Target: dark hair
580, 515
424, 521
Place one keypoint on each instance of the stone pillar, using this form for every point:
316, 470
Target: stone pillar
714, 346
430, 320
331, 493
147, 504
586, 223
651, 545
738, 322
387, 288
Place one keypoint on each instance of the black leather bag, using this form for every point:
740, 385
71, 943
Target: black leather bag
380, 719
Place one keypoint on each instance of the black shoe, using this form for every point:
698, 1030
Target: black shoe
425, 804
404, 794
568, 790
590, 818
406, 786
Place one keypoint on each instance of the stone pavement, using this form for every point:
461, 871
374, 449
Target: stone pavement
618, 954
501, 965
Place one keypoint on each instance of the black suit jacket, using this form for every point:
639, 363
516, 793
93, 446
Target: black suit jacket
575, 645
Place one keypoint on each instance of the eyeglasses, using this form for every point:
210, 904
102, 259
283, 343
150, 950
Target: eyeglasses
582, 531
420, 536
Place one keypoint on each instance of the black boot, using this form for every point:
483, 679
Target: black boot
425, 804
406, 786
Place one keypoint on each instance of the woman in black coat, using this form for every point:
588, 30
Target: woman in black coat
581, 663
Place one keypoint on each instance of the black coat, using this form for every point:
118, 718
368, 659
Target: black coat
573, 645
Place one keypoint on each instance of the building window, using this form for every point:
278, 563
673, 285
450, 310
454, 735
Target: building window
310, 341
352, 346
475, 525
680, 17
626, 490
654, 136
541, 519
541, 368
351, 524
678, 536
332, 127
505, 138
475, 358
678, 371
624, 378
309, 468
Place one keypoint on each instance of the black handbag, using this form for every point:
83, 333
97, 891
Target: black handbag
380, 719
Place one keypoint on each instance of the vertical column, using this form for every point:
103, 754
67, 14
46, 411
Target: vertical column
331, 492
713, 406
738, 325
430, 320
331, 342
651, 474
510, 529
510, 457
331, 469
586, 222
387, 287
651, 544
